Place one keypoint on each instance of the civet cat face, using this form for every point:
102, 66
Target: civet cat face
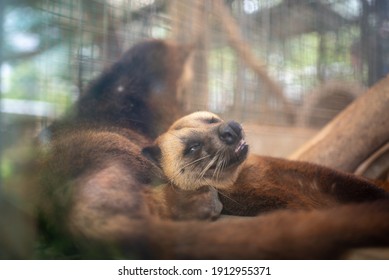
200, 149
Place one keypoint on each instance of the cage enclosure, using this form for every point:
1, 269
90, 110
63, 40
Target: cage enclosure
283, 68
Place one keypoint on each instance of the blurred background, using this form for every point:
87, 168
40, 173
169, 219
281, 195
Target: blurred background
283, 68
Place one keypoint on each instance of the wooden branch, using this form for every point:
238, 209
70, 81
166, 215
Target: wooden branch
377, 165
246, 54
355, 134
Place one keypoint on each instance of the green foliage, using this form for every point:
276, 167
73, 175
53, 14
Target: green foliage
24, 82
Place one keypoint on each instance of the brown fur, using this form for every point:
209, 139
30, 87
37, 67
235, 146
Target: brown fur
258, 184
94, 188
267, 183
90, 167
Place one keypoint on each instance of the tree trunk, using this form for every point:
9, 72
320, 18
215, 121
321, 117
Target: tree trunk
354, 135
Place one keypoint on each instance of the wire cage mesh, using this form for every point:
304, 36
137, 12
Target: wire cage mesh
287, 63
283, 67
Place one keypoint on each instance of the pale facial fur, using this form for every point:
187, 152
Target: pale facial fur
201, 149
